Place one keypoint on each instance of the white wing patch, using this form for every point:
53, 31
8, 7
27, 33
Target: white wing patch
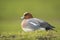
33, 23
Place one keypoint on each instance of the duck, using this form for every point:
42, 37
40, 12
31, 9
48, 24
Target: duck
29, 23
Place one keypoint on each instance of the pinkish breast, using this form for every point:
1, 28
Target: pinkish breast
23, 24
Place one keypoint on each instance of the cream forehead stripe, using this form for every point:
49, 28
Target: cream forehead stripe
25, 13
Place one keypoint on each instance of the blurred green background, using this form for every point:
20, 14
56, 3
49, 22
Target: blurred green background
12, 10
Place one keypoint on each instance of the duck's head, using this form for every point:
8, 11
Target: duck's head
27, 15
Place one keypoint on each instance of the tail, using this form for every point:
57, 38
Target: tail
51, 28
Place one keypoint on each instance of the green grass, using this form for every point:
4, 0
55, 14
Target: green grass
36, 35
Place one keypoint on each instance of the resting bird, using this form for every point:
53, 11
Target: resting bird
29, 23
